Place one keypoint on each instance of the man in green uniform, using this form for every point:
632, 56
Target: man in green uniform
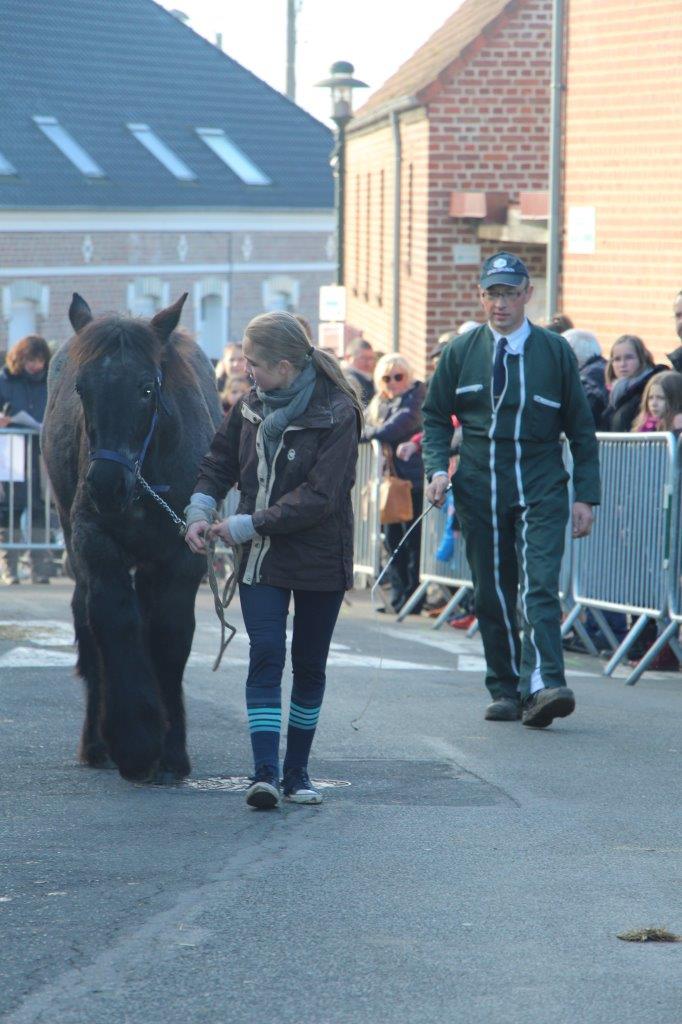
515, 389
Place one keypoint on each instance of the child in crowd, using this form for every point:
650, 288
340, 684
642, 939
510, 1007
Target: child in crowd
661, 407
235, 388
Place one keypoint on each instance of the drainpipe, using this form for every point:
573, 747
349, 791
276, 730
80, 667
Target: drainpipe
397, 197
557, 87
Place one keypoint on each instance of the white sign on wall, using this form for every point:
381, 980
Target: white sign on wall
581, 237
332, 302
466, 254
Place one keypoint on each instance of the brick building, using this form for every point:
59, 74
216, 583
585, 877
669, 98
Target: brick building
138, 161
466, 121
622, 258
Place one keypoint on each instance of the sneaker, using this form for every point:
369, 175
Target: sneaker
503, 709
9, 579
264, 793
463, 622
543, 707
298, 789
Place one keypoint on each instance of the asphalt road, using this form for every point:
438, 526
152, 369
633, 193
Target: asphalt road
458, 870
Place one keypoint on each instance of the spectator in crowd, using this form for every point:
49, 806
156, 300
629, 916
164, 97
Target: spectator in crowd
629, 368
559, 323
360, 368
661, 407
676, 356
23, 397
393, 416
232, 364
235, 388
592, 369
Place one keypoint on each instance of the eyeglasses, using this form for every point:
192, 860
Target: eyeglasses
392, 376
509, 296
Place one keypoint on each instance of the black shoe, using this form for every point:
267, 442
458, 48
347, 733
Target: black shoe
503, 709
264, 793
543, 707
298, 789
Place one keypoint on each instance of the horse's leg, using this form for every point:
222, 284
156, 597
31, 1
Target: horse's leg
93, 750
132, 721
168, 597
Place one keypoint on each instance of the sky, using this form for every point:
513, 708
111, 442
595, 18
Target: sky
376, 36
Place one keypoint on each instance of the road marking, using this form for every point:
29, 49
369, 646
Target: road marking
44, 632
37, 657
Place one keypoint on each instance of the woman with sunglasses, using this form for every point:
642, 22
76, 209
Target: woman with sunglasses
393, 416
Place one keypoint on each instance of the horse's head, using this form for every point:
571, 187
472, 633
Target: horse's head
119, 380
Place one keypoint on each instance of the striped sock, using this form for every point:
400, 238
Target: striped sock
265, 724
302, 724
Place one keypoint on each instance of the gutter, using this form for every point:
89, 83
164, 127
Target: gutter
382, 113
555, 176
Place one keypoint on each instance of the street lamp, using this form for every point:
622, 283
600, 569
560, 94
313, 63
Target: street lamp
340, 84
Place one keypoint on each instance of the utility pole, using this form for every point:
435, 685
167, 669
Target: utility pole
292, 11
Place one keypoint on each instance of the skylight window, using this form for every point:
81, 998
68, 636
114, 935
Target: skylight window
5, 167
233, 157
163, 153
67, 145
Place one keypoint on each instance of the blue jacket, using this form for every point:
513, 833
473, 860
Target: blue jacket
394, 420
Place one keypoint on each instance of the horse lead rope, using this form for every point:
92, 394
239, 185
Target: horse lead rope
220, 601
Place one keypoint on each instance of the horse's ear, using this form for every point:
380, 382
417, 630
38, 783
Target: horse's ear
166, 320
80, 313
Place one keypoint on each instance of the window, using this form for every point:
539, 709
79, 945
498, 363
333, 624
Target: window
147, 295
281, 292
24, 305
6, 168
211, 315
67, 145
232, 156
163, 153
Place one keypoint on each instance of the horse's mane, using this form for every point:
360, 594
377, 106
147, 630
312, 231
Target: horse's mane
135, 340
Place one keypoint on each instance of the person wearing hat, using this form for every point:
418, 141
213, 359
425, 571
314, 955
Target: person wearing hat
515, 388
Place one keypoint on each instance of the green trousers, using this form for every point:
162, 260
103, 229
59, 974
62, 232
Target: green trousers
515, 554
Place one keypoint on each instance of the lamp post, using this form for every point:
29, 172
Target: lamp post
340, 84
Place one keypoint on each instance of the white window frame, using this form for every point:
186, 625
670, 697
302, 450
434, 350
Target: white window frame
163, 153
232, 156
276, 285
147, 288
68, 147
202, 290
16, 295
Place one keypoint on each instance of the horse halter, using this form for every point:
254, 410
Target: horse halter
135, 465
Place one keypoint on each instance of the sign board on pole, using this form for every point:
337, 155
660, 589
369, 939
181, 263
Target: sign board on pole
333, 302
331, 336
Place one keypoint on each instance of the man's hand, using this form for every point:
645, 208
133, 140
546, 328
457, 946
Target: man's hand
582, 519
222, 530
4, 421
196, 537
436, 490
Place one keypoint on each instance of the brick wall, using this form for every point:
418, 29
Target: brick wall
486, 130
176, 254
624, 159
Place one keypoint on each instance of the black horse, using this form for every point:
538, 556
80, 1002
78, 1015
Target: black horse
129, 398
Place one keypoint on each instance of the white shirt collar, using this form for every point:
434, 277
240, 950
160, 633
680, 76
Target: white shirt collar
516, 340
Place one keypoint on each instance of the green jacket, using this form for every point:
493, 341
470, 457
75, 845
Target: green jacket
543, 398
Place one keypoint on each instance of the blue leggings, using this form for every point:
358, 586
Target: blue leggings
265, 611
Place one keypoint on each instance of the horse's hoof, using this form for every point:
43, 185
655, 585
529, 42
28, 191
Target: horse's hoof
96, 756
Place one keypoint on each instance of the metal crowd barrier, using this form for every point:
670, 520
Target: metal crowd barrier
28, 518
631, 563
367, 518
625, 564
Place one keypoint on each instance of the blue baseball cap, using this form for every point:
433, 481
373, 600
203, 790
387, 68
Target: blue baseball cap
504, 268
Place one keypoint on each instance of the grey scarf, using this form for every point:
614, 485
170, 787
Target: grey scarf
621, 386
282, 405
